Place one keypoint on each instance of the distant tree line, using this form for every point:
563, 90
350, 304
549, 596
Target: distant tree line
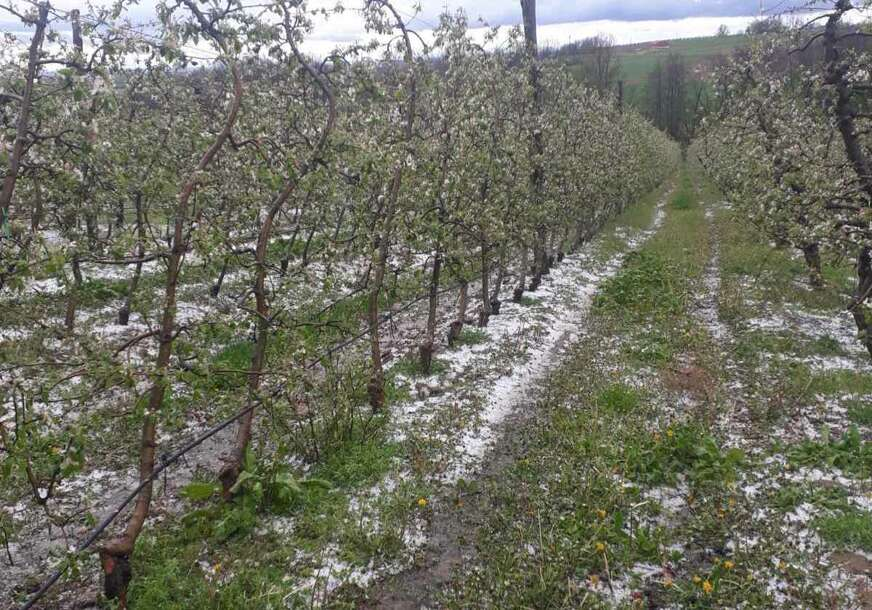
598, 58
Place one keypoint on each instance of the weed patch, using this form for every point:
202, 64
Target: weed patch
471, 336
850, 453
852, 528
647, 283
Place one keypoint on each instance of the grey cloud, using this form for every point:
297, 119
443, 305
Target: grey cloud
508, 12
505, 12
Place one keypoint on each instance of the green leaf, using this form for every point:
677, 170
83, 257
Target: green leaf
199, 491
240, 481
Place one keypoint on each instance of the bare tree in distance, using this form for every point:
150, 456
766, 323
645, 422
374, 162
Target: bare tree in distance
667, 96
602, 67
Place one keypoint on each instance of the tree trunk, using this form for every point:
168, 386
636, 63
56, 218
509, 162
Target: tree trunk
381, 247
844, 111
115, 554
522, 277
339, 222
36, 216
537, 145
812, 255
230, 472
457, 325
124, 312
23, 123
73, 296
232, 468
498, 283
309, 242
484, 314
91, 229
119, 214
860, 311
426, 349
215, 290
538, 264
376, 385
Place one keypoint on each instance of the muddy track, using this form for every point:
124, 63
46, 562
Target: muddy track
452, 530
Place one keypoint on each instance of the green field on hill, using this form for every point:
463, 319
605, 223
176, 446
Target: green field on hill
639, 59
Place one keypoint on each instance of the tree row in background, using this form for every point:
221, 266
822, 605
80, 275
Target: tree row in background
790, 146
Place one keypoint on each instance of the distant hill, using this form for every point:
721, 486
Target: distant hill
637, 60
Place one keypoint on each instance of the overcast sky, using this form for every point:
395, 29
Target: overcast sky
560, 21
508, 12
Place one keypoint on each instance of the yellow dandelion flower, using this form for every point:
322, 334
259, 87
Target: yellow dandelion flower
729, 565
594, 580
600, 547
697, 579
422, 502
707, 587
601, 514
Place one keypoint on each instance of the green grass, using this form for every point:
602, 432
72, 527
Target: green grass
654, 281
835, 381
410, 366
638, 62
756, 270
850, 529
618, 398
235, 357
683, 198
860, 412
190, 563
756, 345
850, 453
471, 336
636, 217
653, 347
559, 513
648, 283
358, 464
94, 292
528, 301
